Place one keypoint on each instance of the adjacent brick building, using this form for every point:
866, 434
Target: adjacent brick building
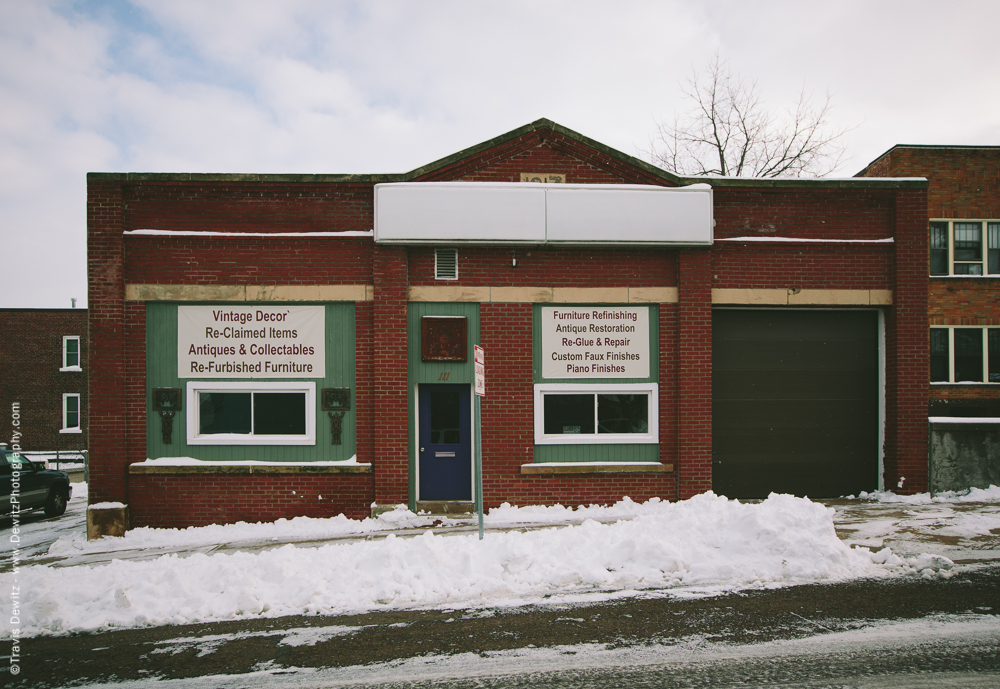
43, 379
963, 208
266, 346
963, 304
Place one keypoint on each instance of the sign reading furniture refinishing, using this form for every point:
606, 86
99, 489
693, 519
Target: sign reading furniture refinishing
595, 342
251, 341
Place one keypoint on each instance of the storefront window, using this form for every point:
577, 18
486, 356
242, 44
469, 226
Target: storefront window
251, 413
571, 413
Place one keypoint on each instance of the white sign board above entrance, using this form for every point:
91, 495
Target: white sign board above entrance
230, 341
595, 342
516, 213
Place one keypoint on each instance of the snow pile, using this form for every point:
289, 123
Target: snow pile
991, 494
297, 529
707, 542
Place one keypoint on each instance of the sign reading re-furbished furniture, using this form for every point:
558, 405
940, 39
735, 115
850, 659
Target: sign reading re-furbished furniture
251, 341
595, 342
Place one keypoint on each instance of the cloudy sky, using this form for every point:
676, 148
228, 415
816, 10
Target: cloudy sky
385, 86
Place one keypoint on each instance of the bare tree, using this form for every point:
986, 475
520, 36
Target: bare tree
729, 131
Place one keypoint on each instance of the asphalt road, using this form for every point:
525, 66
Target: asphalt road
905, 632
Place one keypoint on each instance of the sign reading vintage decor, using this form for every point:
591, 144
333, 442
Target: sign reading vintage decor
595, 341
251, 341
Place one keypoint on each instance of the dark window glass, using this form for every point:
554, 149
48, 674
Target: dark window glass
993, 248
73, 352
622, 414
569, 414
72, 412
968, 241
446, 418
968, 269
939, 356
939, 248
224, 412
279, 413
993, 360
968, 355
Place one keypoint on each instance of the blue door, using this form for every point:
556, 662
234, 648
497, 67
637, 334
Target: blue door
445, 442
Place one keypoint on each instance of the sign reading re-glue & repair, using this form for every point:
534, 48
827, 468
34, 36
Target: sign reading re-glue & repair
251, 341
595, 342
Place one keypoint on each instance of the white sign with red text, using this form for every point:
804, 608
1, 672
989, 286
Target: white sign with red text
595, 341
235, 341
479, 371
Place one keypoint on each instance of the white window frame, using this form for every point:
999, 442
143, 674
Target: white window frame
66, 428
652, 409
984, 261
195, 387
951, 354
66, 366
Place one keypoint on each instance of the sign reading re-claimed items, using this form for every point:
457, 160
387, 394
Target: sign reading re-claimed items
251, 341
595, 342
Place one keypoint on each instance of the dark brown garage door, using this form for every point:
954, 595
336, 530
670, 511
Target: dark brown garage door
794, 402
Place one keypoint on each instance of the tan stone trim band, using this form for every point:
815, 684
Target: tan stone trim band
141, 292
803, 297
249, 469
607, 468
543, 295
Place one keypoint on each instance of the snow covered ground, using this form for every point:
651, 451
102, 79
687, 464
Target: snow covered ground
699, 546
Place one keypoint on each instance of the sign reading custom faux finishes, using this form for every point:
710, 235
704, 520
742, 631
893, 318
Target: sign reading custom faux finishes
595, 342
251, 341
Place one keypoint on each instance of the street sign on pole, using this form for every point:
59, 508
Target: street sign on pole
480, 371
479, 386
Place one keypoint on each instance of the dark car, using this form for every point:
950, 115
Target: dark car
27, 485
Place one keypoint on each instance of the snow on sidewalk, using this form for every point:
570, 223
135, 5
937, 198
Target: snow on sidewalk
707, 543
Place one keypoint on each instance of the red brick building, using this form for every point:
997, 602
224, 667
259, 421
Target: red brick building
963, 304
43, 379
265, 346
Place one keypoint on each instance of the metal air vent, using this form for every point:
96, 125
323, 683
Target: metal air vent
445, 264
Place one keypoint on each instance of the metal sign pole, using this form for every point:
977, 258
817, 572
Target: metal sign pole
479, 388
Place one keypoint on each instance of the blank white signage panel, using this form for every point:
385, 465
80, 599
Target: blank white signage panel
471, 212
459, 212
627, 214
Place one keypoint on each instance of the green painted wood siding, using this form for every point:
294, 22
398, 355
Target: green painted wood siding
598, 452
161, 371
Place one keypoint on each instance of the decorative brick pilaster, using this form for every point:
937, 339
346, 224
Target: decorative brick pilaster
908, 342
694, 425
390, 374
107, 361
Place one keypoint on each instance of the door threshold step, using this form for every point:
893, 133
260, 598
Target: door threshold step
450, 507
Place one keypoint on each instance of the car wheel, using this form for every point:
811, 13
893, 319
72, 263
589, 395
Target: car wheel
55, 504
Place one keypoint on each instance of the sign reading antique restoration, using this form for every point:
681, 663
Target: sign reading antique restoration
595, 342
251, 341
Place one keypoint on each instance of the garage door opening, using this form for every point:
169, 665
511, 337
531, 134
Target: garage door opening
795, 403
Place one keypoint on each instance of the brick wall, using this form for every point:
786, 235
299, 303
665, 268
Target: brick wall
694, 388
199, 203
964, 181
391, 457
551, 267
30, 359
180, 500
156, 259
107, 356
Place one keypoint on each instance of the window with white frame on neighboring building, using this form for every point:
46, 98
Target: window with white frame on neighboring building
71, 413
963, 354
965, 247
71, 353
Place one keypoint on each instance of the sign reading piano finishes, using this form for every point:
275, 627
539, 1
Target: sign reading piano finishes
595, 342
251, 341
